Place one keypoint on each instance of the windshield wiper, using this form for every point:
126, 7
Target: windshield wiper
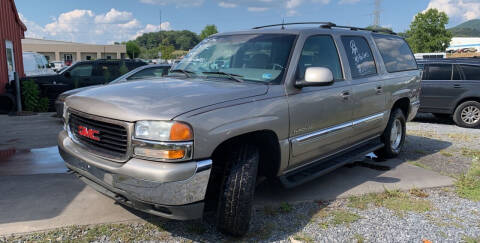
232, 76
186, 72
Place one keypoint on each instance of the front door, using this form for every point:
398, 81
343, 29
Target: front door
10, 60
319, 116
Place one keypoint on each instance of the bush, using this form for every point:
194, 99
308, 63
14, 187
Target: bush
31, 97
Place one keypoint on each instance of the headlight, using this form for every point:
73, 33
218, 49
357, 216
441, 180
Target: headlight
163, 140
163, 131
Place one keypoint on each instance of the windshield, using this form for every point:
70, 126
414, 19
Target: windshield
259, 58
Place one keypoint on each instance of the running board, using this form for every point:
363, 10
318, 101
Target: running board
326, 165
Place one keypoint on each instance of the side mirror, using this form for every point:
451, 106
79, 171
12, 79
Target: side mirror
316, 76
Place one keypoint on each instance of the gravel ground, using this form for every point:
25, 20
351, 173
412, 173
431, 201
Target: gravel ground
448, 218
440, 145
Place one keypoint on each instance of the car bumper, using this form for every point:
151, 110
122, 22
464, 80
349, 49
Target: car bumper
414, 106
170, 190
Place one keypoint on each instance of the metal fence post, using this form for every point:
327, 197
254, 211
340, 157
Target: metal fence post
17, 87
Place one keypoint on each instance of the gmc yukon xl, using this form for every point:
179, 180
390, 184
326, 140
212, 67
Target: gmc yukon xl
289, 104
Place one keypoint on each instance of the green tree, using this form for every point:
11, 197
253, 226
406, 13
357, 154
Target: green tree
208, 31
133, 50
428, 33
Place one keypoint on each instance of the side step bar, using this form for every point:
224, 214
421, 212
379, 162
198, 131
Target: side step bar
326, 165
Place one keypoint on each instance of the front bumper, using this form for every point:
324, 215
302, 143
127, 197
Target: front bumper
170, 190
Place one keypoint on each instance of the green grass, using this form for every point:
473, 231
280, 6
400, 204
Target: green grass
470, 152
469, 239
394, 200
344, 217
359, 238
446, 153
418, 164
303, 238
285, 207
468, 185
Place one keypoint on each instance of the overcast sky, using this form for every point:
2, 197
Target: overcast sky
106, 21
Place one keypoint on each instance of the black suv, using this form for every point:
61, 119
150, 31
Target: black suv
452, 87
81, 74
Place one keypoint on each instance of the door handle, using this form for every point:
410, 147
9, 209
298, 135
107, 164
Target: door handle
379, 89
345, 94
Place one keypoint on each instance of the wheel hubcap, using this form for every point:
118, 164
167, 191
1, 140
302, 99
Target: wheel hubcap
396, 135
470, 115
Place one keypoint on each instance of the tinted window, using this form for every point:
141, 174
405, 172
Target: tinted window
471, 72
320, 51
396, 53
439, 72
359, 56
84, 70
150, 73
109, 71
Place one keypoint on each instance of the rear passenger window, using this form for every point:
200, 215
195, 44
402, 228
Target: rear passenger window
439, 72
471, 72
396, 53
320, 51
359, 56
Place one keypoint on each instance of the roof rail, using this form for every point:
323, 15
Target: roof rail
329, 25
285, 24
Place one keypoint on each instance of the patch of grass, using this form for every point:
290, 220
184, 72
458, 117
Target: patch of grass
469, 239
418, 164
446, 153
285, 207
359, 238
470, 152
303, 238
468, 186
344, 217
460, 137
394, 200
421, 133
418, 193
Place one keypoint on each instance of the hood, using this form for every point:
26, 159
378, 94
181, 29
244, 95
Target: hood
159, 100
65, 94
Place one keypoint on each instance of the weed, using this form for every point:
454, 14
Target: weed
418, 193
469, 239
285, 207
303, 238
468, 186
470, 152
446, 153
359, 238
344, 217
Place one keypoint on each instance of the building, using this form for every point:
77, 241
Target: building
11, 32
464, 47
71, 51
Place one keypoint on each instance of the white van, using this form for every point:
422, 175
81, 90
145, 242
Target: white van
35, 64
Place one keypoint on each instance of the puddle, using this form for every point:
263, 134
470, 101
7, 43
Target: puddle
31, 161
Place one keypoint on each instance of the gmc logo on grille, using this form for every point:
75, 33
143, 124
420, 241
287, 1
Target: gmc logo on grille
89, 133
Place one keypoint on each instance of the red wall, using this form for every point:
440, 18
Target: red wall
11, 29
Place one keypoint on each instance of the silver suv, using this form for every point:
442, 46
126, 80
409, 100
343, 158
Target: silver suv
282, 103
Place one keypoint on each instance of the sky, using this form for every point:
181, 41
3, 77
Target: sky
108, 21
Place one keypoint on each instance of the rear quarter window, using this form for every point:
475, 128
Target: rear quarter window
472, 72
396, 53
359, 56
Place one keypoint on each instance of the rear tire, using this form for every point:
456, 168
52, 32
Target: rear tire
394, 136
467, 114
236, 198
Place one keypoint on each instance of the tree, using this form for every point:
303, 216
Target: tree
208, 31
428, 33
133, 50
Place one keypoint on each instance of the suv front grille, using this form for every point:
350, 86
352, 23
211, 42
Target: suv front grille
110, 140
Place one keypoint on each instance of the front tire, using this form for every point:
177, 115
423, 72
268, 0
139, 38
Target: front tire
236, 198
394, 136
467, 114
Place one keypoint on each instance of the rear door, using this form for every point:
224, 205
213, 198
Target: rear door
368, 94
438, 87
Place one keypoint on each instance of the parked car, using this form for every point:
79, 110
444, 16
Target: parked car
57, 66
35, 64
147, 71
291, 104
82, 74
451, 87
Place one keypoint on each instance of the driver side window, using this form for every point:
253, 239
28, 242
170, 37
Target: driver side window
320, 51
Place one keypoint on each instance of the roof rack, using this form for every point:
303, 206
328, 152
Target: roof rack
329, 25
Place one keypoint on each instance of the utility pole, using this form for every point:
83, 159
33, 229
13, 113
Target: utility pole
376, 13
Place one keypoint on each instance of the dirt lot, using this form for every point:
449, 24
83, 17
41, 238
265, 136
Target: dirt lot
448, 214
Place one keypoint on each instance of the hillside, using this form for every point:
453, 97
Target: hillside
468, 29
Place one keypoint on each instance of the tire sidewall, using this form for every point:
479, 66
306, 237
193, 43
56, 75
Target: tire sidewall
389, 152
457, 117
